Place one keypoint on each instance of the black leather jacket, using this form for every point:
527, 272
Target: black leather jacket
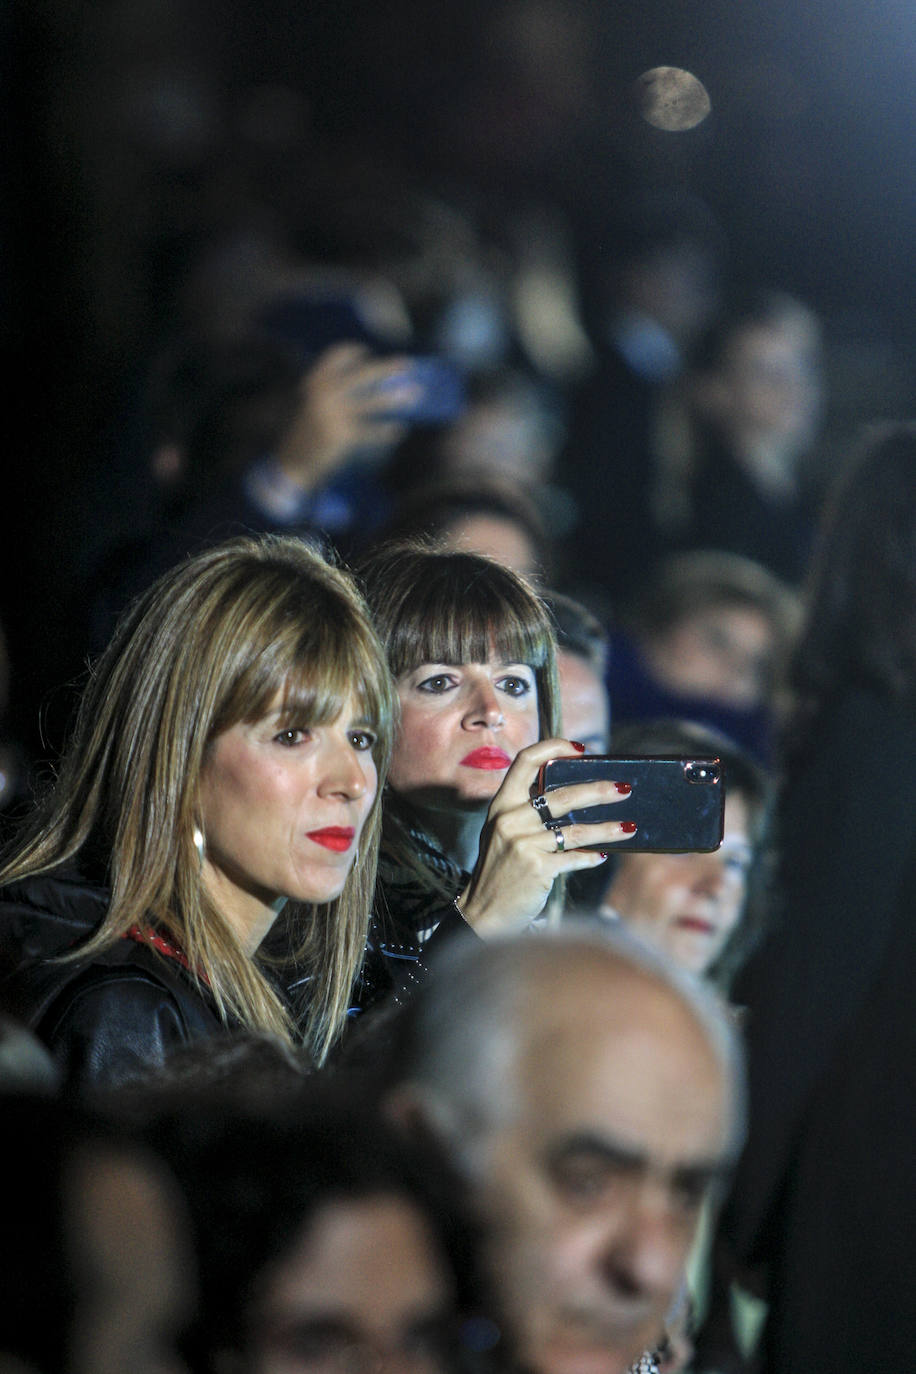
105, 1019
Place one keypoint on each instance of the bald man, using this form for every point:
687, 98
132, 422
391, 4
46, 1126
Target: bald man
592, 1095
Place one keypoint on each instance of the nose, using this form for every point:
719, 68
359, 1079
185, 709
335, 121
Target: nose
346, 773
708, 874
647, 1252
483, 706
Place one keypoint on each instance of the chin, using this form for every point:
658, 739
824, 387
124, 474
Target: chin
580, 1359
320, 888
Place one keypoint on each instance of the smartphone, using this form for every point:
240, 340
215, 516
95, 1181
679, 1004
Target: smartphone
677, 801
440, 397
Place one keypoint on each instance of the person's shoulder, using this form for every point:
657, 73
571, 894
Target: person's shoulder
122, 1013
53, 909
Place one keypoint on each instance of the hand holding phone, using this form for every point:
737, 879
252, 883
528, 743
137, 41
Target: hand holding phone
677, 801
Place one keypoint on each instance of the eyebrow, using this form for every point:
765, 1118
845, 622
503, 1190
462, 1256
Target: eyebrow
697, 1174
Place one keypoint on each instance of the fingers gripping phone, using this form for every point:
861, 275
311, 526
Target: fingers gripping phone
677, 801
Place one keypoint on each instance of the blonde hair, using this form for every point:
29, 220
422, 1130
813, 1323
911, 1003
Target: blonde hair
213, 643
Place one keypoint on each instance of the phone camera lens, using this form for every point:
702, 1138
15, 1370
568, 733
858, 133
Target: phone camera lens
702, 772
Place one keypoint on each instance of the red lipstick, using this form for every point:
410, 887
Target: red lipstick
486, 758
696, 923
336, 837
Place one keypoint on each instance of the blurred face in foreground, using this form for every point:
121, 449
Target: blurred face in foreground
133, 1268
364, 1286
593, 1184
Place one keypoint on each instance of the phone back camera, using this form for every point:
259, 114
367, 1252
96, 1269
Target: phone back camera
706, 772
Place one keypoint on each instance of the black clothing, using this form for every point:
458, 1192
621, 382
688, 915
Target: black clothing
608, 466
823, 1196
729, 511
411, 917
105, 1019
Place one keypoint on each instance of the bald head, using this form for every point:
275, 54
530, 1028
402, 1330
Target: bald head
590, 1092
486, 1005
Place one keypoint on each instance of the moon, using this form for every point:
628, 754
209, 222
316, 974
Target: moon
672, 99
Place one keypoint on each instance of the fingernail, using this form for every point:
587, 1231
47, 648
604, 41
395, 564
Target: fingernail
628, 827
624, 788
576, 745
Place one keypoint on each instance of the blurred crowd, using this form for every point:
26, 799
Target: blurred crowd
295, 320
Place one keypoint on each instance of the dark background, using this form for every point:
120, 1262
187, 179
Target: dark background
136, 130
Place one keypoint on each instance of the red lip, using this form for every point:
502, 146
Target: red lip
696, 923
336, 837
486, 758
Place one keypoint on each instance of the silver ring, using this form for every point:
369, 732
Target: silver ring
560, 839
540, 805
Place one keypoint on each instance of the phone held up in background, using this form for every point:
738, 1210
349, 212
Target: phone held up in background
440, 393
677, 801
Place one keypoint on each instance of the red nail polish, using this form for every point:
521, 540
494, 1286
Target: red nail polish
624, 788
602, 854
576, 745
628, 827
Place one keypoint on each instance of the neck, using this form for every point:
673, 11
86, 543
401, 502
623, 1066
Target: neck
456, 832
249, 915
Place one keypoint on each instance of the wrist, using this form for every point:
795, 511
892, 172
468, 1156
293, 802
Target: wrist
269, 486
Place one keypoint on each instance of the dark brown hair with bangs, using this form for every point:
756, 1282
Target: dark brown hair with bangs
431, 606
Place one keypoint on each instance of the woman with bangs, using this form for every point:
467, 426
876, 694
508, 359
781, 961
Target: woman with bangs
466, 842
221, 785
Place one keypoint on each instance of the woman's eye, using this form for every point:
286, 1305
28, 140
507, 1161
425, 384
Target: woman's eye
291, 737
362, 740
515, 686
440, 682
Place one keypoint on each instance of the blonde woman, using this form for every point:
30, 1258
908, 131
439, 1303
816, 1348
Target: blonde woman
221, 784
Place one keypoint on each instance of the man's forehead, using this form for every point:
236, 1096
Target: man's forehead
641, 1072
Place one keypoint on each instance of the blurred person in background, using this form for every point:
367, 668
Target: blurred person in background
474, 512
510, 429
582, 650
250, 437
650, 285
819, 1222
754, 392
706, 638
695, 906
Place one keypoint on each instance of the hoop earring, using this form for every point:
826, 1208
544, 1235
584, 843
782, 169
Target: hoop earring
200, 844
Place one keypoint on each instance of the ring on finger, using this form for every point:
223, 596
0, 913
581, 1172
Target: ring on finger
540, 805
560, 839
